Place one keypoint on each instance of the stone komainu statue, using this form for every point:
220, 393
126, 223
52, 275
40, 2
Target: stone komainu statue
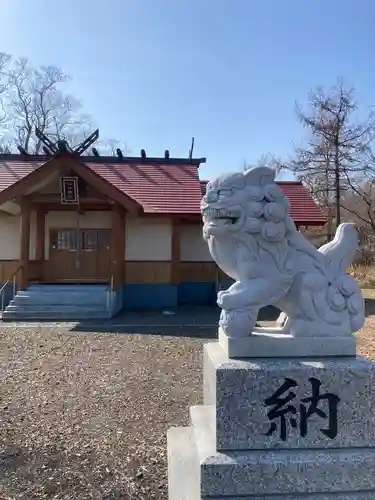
253, 240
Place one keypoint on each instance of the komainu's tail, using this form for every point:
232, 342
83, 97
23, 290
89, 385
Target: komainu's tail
344, 293
340, 252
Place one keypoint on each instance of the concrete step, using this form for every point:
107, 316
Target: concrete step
67, 288
46, 293
55, 307
22, 315
183, 464
203, 420
57, 300
32, 291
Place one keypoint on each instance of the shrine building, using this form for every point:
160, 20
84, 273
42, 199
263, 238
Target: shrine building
129, 227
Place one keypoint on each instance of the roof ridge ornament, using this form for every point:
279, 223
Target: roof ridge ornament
62, 146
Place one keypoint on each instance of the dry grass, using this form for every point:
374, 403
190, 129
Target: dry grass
366, 337
365, 275
84, 416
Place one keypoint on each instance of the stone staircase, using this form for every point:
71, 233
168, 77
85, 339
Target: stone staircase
59, 303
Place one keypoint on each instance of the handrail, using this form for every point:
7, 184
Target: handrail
3, 288
11, 277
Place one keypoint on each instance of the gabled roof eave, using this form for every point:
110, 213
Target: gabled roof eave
69, 161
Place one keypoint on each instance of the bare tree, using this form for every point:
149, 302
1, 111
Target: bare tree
35, 98
266, 160
336, 144
312, 165
109, 146
4, 82
359, 199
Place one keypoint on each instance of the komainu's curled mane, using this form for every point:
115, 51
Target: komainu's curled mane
254, 240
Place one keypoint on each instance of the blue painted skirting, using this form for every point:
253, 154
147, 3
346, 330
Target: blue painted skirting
158, 296
149, 296
192, 293
199, 293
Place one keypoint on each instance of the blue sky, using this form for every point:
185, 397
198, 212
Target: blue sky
154, 73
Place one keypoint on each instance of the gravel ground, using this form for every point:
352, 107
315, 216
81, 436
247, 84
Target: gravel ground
84, 416
366, 337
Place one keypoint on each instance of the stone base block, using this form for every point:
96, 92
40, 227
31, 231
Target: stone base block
276, 345
196, 471
290, 403
286, 429
183, 465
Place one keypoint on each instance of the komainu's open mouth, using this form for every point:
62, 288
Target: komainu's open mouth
220, 214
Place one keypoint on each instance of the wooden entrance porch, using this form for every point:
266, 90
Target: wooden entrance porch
71, 254
78, 255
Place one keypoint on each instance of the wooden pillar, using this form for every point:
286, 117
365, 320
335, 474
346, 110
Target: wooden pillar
118, 245
40, 239
176, 251
25, 243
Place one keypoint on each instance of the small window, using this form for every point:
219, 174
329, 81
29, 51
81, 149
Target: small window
89, 240
64, 239
104, 239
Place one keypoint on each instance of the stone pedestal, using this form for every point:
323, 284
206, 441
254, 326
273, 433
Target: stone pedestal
278, 429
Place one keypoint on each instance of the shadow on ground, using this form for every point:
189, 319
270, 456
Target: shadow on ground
197, 322
194, 322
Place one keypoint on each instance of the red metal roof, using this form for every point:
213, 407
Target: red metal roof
303, 208
12, 171
161, 188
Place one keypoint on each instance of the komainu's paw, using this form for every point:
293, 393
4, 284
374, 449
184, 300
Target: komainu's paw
227, 300
238, 323
222, 298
